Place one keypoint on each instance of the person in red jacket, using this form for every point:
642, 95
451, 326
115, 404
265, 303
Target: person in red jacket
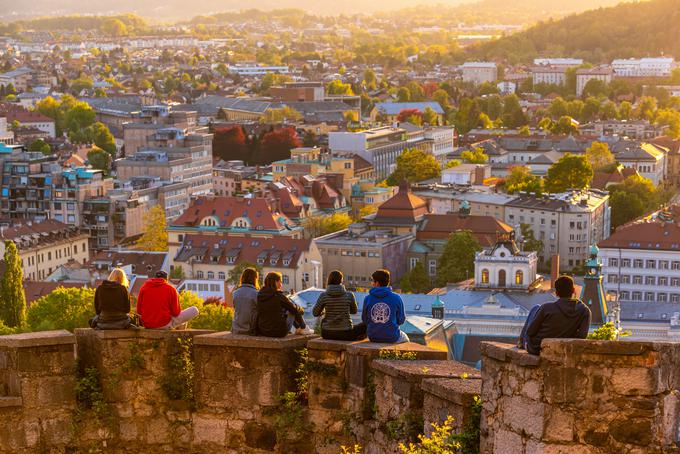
158, 304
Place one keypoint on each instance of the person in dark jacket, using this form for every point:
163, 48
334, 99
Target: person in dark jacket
567, 317
336, 304
383, 311
245, 303
112, 302
158, 304
276, 314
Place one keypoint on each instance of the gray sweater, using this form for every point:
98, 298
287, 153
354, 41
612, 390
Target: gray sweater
336, 304
245, 311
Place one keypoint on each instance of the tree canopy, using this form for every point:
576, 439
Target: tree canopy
414, 165
570, 172
12, 298
457, 261
155, 236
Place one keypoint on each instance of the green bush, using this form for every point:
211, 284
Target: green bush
64, 308
210, 316
607, 332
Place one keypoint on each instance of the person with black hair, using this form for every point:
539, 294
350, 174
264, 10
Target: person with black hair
276, 313
158, 304
383, 311
336, 305
565, 318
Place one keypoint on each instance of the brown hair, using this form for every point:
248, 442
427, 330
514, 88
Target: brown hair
382, 277
271, 279
564, 286
334, 278
250, 276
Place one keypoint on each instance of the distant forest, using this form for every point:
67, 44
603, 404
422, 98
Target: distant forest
627, 30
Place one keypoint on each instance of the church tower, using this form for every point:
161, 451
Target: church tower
592, 293
438, 309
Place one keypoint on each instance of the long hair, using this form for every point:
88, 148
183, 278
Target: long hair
118, 275
250, 276
271, 279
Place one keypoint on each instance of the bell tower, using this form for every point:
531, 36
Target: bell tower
438, 309
592, 293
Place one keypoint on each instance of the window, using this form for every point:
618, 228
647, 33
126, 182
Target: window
661, 297
211, 275
285, 280
624, 295
433, 267
625, 279
413, 262
651, 264
663, 281
675, 265
637, 263
663, 264
305, 277
221, 275
519, 277
199, 274
637, 296
613, 262
675, 297
625, 263
485, 276
637, 280
675, 281
649, 296
650, 280
612, 278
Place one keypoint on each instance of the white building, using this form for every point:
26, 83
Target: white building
548, 75
479, 72
505, 267
648, 159
506, 87
257, 70
561, 62
641, 259
466, 174
585, 75
643, 67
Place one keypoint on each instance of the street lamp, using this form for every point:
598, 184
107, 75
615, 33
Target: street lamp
614, 307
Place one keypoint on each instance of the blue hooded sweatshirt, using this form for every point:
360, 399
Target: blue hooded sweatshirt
383, 312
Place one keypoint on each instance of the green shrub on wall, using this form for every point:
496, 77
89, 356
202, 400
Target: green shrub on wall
210, 316
64, 308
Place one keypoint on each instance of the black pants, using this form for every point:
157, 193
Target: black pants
358, 332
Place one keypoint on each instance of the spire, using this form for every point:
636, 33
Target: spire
592, 293
438, 308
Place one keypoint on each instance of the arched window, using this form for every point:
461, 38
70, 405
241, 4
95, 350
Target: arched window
485, 276
220, 275
199, 274
211, 275
519, 277
501, 278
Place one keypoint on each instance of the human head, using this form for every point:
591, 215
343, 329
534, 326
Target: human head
118, 275
250, 276
162, 275
564, 286
334, 278
381, 278
273, 280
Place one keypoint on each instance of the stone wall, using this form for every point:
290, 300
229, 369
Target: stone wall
581, 397
204, 392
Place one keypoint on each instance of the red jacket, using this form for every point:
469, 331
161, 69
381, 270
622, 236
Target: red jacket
157, 303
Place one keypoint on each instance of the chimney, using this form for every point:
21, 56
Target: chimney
554, 270
479, 175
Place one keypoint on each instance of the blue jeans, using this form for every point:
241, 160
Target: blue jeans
295, 321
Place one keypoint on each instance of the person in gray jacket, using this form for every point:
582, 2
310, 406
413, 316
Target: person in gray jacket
336, 305
245, 302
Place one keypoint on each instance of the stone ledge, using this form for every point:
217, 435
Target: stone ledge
559, 349
38, 339
366, 348
332, 345
509, 352
458, 391
422, 369
227, 339
10, 401
138, 333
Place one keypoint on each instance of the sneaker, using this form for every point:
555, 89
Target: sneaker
303, 331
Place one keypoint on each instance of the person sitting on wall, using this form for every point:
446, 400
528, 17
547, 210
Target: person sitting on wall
158, 304
276, 314
383, 311
566, 318
245, 303
112, 303
336, 304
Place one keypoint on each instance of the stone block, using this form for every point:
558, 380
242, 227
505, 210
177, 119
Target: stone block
565, 385
227, 339
38, 339
47, 392
506, 442
670, 418
536, 447
636, 381
260, 436
634, 431
559, 425
523, 415
209, 429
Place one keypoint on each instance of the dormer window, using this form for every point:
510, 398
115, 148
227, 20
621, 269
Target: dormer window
286, 262
260, 261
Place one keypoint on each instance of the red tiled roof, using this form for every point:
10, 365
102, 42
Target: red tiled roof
601, 179
26, 234
216, 249
143, 263
440, 226
404, 204
657, 231
228, 209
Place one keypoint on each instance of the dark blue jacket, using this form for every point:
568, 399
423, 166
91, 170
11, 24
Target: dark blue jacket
383, 312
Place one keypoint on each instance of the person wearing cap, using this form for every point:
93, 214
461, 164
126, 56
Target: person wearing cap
566, 318
158, 304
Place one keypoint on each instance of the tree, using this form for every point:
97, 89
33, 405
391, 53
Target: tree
531, 244
452, 163
81, 83
41, 146
177, 273
416, 280
276, 145
513, 115
524, 131
430, 116
217, 317
155, 236
234, 276
625, 110
99, 159
403, 94
457, 261
570, 172
63, 308
565, 125
442, 97
281, 115
632, 198
520, 179
351, 116
271, 79
102, 137
12, 296
475, 157
414, 165
320, 225
370, 81
229, 143
595, 87
337, 87
599, 155
414, 116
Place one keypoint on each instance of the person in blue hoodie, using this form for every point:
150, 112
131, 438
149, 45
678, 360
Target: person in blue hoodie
383, 311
